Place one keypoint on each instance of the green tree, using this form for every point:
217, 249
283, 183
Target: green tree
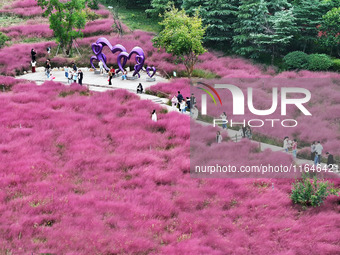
330, 30
219, 16
182, 37
277, 32
308, 15
263, 26
249, 21
66, 19
158, 7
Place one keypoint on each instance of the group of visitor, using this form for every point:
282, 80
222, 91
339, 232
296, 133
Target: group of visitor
245, 132
316, 151
111, 73
74, 75
183, 103
316, 154
290, 145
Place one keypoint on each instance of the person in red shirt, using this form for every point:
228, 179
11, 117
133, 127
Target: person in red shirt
112, 72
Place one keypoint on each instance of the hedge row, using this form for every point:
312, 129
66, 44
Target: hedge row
314, 62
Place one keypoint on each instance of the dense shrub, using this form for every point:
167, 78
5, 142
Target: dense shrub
93, 4
296, 60
319, 62
3, 39
336, 65
312, 192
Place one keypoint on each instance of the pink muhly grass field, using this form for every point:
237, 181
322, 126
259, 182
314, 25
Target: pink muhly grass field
26, 8
28, 31
90, 173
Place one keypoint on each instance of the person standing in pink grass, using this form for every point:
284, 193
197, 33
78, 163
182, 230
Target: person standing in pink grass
294, 148
219, 137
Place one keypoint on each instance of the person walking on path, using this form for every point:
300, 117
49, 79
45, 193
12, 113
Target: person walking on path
286, 144
174, 102
66, 72
180, 99
74, 67
224, 120
154, 116
80, 77
111, 73
294, 148
182, 106
47, 68
330, 160
70, 76
249, 133
75, 76
219, 137
312, 151
318, 153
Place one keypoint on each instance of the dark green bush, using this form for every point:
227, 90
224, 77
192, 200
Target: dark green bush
312, 192
296, 60
319, 62
93, 4
3, 39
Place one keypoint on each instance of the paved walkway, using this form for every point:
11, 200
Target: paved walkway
97, 82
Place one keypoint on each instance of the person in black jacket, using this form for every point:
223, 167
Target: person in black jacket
180, 99
74, 67
80, 77
33, 53
330, 160
139, 88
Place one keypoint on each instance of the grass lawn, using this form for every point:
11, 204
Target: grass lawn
137, 19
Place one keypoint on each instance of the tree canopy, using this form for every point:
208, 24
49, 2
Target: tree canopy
182, 37
66, 19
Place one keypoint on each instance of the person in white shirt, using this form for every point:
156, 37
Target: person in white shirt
318, 153
33, 63
174, 102
154, 116
286, 143
224, 120
182, 106
218, 137
101, 66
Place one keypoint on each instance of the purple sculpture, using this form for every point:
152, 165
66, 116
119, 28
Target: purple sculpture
122, 58
153, 69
